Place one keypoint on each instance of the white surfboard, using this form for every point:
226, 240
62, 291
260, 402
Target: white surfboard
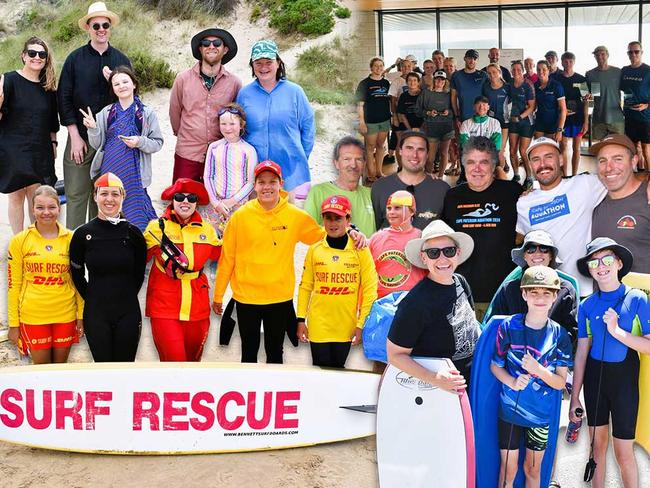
424, 435
182, 408
4, 335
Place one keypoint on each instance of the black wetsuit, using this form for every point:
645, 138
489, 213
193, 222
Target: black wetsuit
115, 256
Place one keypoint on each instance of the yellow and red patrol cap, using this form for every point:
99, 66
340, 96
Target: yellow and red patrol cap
268, 165
109, 180
336, 204
401, 198
187, 185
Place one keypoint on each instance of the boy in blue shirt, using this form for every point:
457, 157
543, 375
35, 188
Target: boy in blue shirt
532, 357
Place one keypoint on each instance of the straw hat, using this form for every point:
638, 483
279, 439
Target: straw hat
98, 9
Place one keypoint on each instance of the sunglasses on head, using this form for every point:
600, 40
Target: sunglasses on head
190, 197
232, 110
103, 25
32, 53
215, 42
434, 252
538, 248
605, 260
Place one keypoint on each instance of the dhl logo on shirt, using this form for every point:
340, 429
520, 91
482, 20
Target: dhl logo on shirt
49, 280
334, 290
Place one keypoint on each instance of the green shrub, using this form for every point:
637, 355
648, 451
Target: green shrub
342, 12
310, 17
28, 19
151, 72
256, 13
66, 32
190, 9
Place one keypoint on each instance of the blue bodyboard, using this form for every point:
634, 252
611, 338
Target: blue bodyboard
484, 395
377, 325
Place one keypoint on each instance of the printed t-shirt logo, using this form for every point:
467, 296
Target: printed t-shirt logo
480, 215
393, 269
554, 209
627, 222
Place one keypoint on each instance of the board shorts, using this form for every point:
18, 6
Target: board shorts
523, 128
48, 336
502, 122
536, 438
439, 132
375, 128
637, 131
601, 130
572, 131
619, 394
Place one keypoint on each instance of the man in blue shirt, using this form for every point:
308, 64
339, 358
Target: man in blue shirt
635, 84
466, 85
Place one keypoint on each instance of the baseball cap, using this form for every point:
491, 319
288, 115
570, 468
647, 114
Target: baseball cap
411, 58
540, 277
541, 141
600, 48
268, 166
401, 198
471, 53
550, 53
440, 74
264, 49
336, 204
620, 139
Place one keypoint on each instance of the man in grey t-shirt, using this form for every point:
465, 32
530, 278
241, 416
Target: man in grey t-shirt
624, 214
608, 115
429, 192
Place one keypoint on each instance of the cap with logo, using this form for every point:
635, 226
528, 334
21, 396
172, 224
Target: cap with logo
540, 277
618, 139
268, 166
542, 141
336, 204
440, 74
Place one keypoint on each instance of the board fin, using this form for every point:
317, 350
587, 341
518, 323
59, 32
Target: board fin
361, 408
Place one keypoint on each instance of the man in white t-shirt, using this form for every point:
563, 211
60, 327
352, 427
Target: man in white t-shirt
562, 206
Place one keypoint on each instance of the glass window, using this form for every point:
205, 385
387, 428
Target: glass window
612, 26
469, 30
405, 34
526, 28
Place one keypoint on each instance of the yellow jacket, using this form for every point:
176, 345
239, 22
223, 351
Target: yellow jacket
258, 250
337, 289
39, 284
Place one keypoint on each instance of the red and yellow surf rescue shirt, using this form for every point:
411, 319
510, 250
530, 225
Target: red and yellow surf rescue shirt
39, 283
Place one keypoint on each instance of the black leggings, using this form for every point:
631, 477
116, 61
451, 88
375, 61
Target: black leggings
330, 354
277, 317
110, 338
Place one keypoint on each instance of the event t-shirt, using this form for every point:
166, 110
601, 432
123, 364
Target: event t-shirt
520, 96
607, 106
362, 214
429, 195
468, 86
565, 213
627, 221
406, 105
499, 102
489, 217
394, 271
631, 305
505, 74
435, 322
547, 109
374, 94
635, 85
574, 103
551, 347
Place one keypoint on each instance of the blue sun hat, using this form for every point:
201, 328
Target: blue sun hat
264, 49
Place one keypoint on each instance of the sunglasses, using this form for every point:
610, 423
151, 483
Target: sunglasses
538, 248
215, 42
605, 260
634, 51
32, 54
190, 197
434, 252
104, 25
232, 110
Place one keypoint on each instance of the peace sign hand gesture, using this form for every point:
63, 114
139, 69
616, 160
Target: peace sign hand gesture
88, 120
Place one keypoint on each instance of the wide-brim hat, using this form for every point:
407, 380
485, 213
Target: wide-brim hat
438, 228
600, 244
98, 9
222, 34
186, 185
539, 237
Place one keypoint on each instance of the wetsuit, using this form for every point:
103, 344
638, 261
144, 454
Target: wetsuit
115, 256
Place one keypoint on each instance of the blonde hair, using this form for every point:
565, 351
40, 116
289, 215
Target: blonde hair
47, 76
46, 191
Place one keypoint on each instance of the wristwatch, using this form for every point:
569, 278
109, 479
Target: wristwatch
560, 129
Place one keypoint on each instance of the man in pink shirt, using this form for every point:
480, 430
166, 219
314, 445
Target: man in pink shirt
196, 97
387, 246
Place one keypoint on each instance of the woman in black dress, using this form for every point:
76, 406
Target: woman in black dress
28, 127
115, 254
